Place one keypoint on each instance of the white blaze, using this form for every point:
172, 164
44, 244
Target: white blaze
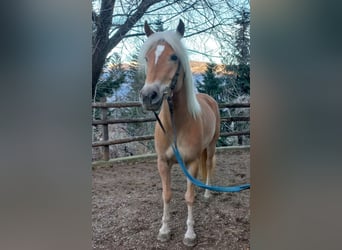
159, 50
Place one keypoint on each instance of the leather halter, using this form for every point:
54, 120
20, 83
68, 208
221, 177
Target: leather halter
169, 89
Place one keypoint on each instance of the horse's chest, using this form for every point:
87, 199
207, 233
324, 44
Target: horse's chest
189, 151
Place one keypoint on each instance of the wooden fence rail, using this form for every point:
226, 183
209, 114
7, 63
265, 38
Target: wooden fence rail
152, 119
138, 104
104, 121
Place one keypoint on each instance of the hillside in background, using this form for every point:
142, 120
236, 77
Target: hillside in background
200, 67
196, 67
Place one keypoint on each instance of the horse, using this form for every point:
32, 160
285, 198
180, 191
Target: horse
196, 119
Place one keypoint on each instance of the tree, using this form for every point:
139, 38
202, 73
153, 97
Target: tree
159, 25
239, 81
117, 21
242, 40
212, 85
242, 55
135, 78
111, 79
103, 39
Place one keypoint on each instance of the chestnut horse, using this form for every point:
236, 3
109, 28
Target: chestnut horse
196, 118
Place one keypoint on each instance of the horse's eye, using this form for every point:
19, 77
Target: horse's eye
174, 58
146, 59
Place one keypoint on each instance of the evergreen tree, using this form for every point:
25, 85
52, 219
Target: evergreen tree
159, 25
242, 54
111, 78
242, 40
212, 85
243, 78
135, 78
238, 78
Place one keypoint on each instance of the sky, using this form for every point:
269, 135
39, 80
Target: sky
206, 44
201, 47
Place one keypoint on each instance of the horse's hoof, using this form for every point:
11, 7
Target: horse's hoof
164, 237
207, 196
190, 242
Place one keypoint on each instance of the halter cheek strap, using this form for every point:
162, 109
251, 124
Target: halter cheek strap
169, 90
175, 78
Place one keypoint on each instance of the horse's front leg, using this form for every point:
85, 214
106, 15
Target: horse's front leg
165, 174
190, 236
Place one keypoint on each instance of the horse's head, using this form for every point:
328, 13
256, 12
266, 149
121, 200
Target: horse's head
161, 66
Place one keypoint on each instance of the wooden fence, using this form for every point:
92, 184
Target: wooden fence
106, 120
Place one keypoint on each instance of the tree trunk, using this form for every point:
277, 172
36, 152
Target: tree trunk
98, 62
103, 24
102, 44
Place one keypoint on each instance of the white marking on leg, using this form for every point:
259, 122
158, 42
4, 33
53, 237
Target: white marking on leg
159, 50
190, 233
207, 192
165, 220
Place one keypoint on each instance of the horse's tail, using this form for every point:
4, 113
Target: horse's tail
207, 166
203, 166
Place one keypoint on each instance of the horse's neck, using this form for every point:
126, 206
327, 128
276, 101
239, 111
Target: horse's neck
180, 104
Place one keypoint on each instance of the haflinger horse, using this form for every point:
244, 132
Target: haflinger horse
196, 118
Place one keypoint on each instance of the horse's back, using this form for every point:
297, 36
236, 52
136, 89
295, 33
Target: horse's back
201, 97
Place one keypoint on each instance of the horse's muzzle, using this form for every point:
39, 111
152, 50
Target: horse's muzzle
151, 99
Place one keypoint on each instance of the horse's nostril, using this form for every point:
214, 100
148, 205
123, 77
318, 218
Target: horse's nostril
153, 95
149, 97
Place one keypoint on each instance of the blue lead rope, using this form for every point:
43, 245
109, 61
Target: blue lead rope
198, 183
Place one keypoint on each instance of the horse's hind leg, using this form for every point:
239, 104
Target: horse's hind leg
190, 236
165, 175
210, 165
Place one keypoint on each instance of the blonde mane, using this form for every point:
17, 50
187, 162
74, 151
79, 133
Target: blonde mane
173, 38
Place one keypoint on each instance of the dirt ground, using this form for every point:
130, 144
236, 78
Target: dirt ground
127, 207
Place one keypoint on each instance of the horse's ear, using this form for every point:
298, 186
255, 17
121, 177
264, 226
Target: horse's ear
148, 30
181, 28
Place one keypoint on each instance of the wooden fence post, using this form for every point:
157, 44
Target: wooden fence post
105, 131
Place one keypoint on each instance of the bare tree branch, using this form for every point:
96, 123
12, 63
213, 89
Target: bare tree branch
202, 31
102, 44
161, 7
118, 21
134, 35
116, 38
